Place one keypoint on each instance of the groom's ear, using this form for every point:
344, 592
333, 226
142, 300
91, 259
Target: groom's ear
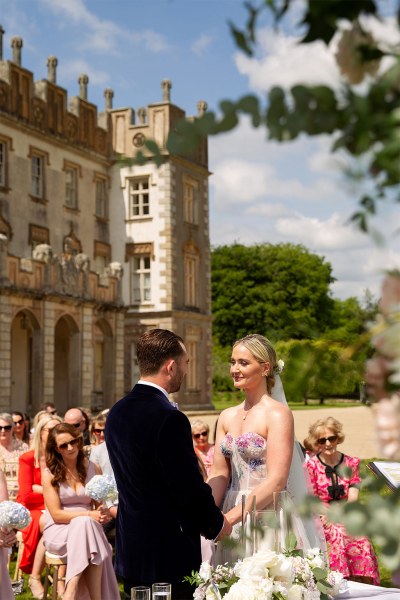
170, 366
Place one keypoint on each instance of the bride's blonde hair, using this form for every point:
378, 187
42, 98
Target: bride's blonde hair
264, 352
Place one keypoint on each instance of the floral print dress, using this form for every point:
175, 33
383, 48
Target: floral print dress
353, 557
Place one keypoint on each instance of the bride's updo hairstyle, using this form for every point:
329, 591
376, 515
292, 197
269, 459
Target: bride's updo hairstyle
264, 352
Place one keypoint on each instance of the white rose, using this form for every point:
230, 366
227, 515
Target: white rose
205, 571
335, 579
242, 589
283, 568
257, 565
317, 561
295, 592
210, 594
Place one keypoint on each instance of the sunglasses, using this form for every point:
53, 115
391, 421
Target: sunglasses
197, 435
73, 442
331, 439
18, 422
5, 427
98, 431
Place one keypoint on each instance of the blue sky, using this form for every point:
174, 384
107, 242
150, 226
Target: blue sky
260, 191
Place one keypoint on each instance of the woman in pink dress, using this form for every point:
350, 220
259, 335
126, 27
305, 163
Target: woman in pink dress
353, 557
73, 528
202, 447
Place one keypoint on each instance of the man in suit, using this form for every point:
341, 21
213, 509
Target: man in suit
164, 504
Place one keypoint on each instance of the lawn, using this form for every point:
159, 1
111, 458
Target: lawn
386, 580
222, 400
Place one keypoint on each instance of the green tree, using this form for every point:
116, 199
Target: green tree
281, 291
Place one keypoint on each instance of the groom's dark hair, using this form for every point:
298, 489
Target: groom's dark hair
156, 346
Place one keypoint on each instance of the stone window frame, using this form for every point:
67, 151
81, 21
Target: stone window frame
44, 161
139, 194
98, 178
38, 235
77, 170
135, 252
191, 203
101, 250
6, 143
191, 264
193, 337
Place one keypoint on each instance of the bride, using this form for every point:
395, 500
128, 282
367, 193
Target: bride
255, 451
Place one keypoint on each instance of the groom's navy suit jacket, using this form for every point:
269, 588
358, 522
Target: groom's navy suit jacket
164, 503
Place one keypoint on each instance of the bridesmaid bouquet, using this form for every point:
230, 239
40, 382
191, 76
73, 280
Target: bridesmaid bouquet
267, 575
102, 488
14, 515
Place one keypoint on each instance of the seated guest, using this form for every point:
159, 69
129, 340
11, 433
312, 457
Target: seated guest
7, 540
353, 557
10, 450
30, 494
73, 528
203, 449
77, 418
49, 407
20, 431
96, 432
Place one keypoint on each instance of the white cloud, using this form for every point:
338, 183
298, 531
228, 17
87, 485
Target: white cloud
271, 211
285, 62
201, 45
101, 35
71, 70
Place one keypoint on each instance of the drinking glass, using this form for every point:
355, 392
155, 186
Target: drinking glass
266, 530
283, 514
140, 592
161, 591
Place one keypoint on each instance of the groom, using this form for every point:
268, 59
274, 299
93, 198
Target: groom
164, 504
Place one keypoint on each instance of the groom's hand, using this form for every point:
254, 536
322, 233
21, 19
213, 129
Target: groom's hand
226, 530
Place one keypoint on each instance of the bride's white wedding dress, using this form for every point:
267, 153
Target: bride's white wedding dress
247, 454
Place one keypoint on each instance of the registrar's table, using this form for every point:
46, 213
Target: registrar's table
359, 591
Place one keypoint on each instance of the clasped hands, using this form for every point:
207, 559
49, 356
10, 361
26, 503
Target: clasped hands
225, 531
7, 537
102, 514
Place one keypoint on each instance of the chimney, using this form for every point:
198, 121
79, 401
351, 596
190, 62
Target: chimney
166, 89
52, 63
201, 107
1, 41
83, 80
16, 45
142, 115
109, 95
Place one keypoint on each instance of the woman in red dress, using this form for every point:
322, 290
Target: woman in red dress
30, 494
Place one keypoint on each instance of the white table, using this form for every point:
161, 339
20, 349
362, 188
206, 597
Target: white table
358, 591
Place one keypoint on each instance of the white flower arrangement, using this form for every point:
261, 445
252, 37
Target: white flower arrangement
267, 575
14, 515
102, 488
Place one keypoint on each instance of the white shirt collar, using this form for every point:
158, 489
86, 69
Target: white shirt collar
142, 382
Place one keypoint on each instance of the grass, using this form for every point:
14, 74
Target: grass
222, 400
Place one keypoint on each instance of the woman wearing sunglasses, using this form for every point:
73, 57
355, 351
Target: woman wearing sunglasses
73, 528
20, 430
10, 445
202, 447
334, 477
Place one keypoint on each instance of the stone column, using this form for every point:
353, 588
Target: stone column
3, 258
16, 45
83, 81
87, 374
2, 32
166, 89
109, 95
48, 357
52, 63
201, 107
142, 112
5, 352
119, 387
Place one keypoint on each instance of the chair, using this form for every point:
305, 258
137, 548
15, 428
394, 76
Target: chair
52, 561
10, 467
20, 542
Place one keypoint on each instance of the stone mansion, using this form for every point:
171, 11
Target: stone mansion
94, 249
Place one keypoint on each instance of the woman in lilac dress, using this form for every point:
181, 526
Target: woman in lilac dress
255, 453
73, 527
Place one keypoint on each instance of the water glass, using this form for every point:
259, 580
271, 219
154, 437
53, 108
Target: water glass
266, 532
140, 592
161, 591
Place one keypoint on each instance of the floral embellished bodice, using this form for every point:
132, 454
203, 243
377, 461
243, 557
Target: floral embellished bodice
247, 453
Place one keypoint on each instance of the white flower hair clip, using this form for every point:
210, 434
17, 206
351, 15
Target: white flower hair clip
280, 365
